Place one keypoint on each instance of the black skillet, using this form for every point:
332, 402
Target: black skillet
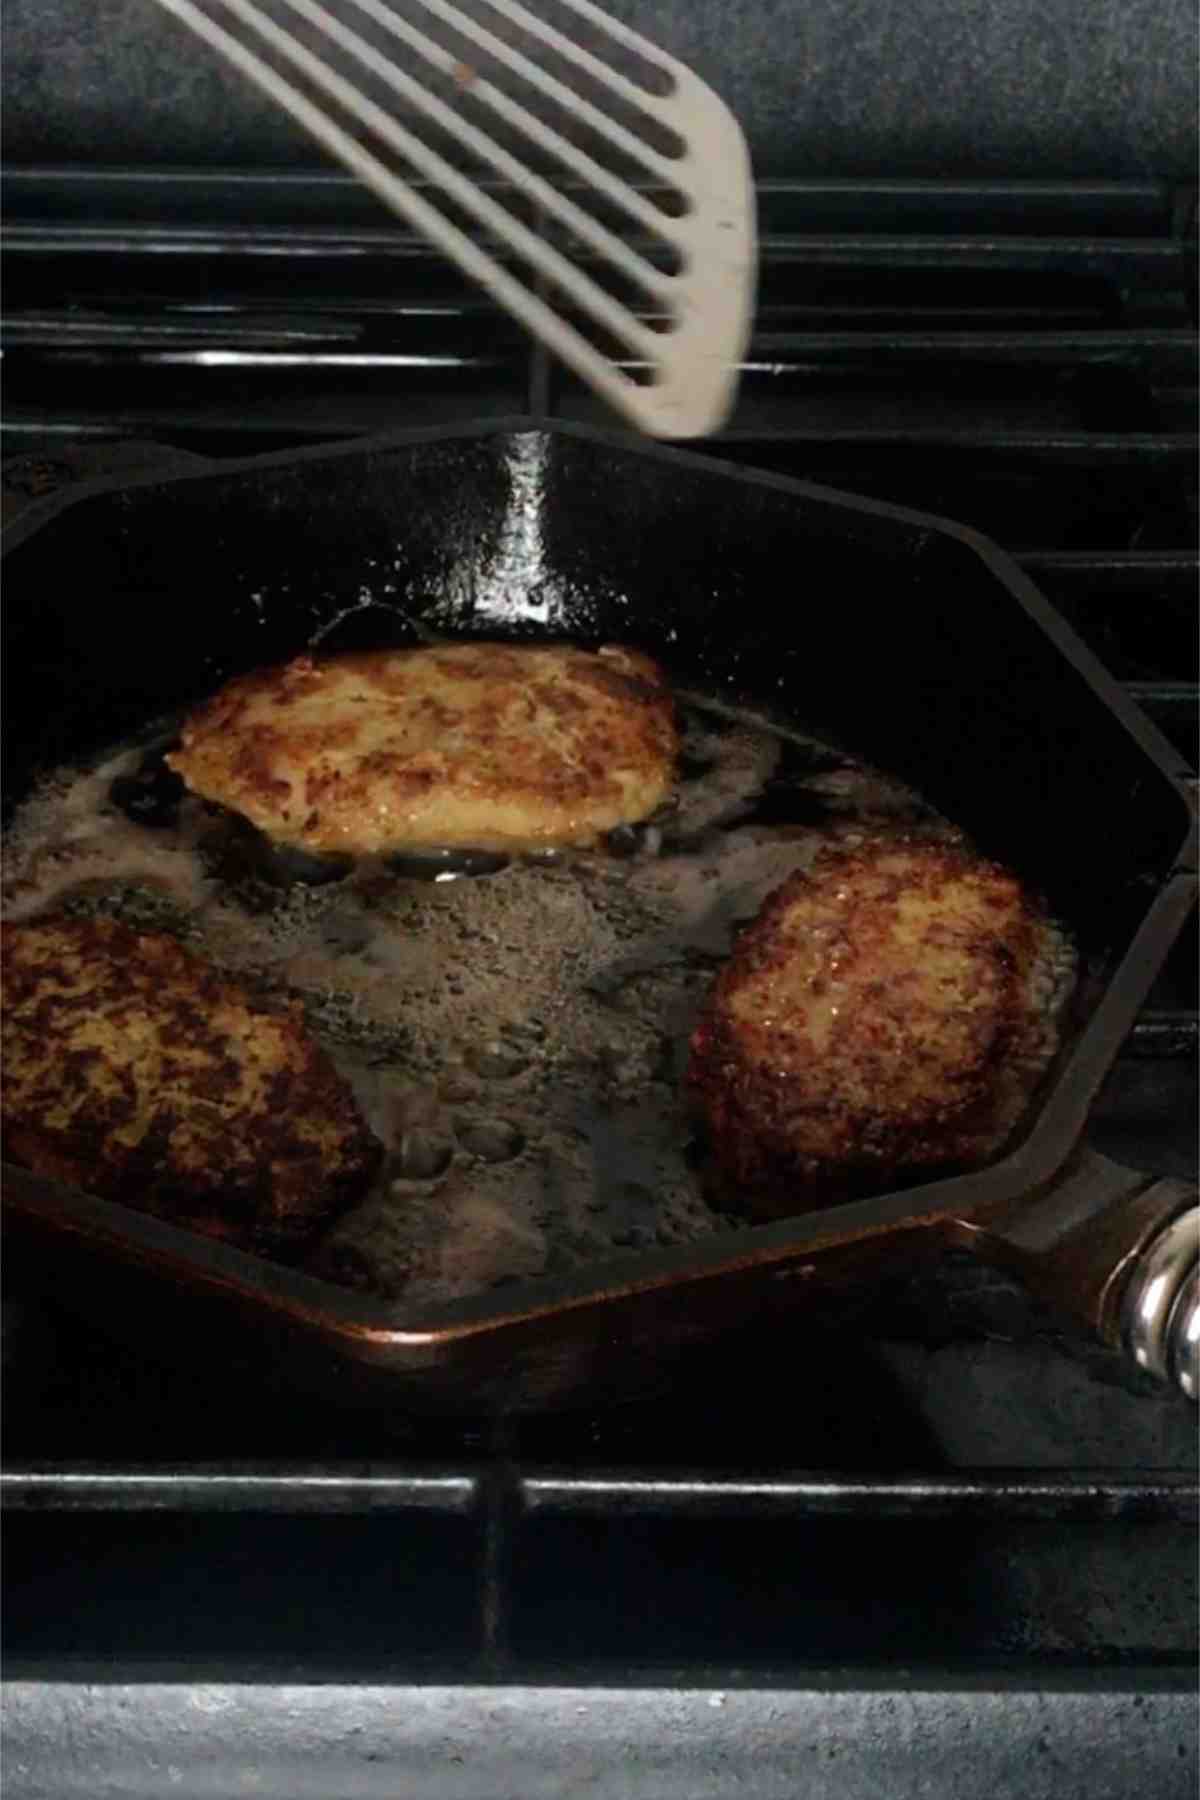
912, 641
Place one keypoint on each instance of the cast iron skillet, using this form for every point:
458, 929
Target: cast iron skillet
912, 641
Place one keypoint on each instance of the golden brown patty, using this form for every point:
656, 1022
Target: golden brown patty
891, 1010
134, 1070
486, 746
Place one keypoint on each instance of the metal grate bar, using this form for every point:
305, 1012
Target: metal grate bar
1174, 1035
502, 1495
246, 1488
1115, 572
1017, 1495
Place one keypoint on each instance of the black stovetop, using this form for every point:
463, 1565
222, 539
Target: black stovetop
948, 1542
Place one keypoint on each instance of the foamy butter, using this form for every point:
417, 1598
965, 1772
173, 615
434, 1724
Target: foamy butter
69, 837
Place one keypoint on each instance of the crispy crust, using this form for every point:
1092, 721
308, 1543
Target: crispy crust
134, 1070
479, 745
882, 1015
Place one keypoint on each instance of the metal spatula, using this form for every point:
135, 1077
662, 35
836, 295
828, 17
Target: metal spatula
589, 182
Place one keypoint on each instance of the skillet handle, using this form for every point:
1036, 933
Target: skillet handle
1117, 1251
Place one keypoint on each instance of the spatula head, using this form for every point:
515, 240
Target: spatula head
592, 184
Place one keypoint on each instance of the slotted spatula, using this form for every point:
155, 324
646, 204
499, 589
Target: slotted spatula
634, 260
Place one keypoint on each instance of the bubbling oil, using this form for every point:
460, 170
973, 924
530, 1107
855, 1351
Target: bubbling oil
516, 1039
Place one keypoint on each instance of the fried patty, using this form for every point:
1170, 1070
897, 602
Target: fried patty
475, 745
888, 1012
134, 1070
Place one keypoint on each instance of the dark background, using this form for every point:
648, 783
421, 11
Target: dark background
1011, 88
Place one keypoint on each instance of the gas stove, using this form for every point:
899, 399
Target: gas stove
946, 1542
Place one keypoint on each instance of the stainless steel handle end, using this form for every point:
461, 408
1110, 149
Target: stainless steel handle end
1160, 1307
1183, 1336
